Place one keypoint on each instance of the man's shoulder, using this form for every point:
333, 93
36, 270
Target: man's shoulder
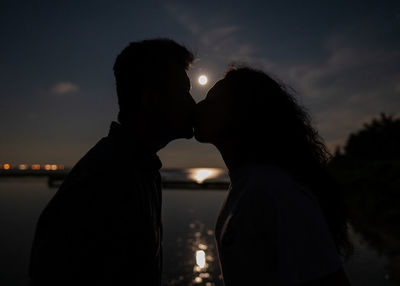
93, 170
102, 159
107, 165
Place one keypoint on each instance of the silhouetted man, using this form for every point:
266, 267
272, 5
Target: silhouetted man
103, 226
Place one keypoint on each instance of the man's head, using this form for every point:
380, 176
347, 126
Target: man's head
153, 88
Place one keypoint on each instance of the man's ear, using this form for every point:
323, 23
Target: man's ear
145, 98
149, 98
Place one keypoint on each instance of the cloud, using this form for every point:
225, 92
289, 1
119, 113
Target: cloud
183, 17
347, 69
214, 36
397, 88
351, 81
351, 84
346, 88
64, 87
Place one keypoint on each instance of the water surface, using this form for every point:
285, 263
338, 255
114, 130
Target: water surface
189, 250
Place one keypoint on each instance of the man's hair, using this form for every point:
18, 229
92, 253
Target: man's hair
145, 63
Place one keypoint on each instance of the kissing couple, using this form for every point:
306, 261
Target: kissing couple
283, 221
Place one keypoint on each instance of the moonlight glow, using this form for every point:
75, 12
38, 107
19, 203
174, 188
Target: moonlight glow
203, 79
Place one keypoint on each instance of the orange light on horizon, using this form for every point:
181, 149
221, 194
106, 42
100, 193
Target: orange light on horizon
23, 167
202, 246
35, 167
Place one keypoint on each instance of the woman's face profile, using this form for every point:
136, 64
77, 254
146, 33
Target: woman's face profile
213, 117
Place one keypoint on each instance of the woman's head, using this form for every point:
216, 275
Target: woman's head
258, 115
263, 123
214, 116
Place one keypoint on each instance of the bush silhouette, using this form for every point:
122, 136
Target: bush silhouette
368, 170
378, 140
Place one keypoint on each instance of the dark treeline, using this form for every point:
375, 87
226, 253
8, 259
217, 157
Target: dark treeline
368, 168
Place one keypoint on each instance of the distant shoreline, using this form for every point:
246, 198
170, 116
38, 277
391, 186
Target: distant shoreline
55, 178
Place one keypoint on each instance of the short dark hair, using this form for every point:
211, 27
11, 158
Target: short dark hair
142, 63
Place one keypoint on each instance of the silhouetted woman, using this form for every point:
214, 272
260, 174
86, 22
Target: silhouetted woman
283, 221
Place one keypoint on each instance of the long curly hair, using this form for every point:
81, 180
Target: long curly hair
274, 128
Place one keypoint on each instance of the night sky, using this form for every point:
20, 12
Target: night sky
57, 87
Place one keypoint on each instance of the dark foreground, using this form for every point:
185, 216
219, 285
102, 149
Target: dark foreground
189, 250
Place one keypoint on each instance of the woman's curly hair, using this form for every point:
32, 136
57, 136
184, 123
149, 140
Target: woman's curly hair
275, 129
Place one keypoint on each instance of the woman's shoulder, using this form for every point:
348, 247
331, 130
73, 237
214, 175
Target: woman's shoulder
267, 172
266, 182
268, 178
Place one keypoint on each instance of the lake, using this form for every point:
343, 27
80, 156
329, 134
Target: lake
189, 250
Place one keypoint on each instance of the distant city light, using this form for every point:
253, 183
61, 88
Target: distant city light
204, 275
26, 167
202, 246
23, 167
203, 80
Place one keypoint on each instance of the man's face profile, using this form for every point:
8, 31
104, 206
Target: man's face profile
175, 104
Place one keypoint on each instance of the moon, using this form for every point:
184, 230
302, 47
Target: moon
203, 79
